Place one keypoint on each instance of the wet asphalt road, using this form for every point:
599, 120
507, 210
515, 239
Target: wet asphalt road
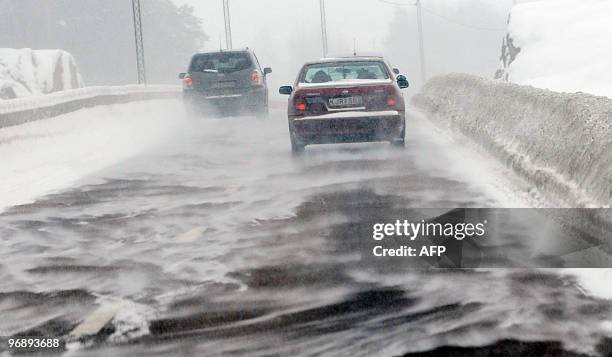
220, 242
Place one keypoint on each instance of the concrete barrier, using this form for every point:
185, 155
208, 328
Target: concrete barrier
562, 143
23, 110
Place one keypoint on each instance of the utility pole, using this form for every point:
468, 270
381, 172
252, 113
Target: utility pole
228, 25
421, 45
140, 58
323, 27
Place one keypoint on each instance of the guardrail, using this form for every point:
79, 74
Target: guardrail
23, 110
562, 143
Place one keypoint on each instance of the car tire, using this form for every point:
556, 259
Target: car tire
297, 147
400, 142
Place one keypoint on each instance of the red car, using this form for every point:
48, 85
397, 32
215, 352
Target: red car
346, 99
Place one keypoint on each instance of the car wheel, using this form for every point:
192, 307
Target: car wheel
400, 142
297, 146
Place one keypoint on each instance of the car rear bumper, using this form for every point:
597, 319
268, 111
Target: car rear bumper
349, 127
249, 99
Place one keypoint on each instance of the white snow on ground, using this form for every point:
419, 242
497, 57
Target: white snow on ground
26, 72
32, 102
596, 282
49, 155
565, 45
508, 121
463, 158
544, 136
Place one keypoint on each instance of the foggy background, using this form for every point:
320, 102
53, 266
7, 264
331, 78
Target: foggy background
460, 35
287, 33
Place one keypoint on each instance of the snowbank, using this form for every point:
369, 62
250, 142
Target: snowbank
26, 72
560, 142
595, 281
562, 45
23, 110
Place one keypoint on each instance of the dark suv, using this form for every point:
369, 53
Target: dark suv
226, 82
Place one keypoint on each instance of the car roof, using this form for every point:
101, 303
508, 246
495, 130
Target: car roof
233, 50
347, 59
355, 54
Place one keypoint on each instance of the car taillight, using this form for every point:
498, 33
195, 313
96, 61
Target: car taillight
188, 82
300, 105
256, 77
391, 101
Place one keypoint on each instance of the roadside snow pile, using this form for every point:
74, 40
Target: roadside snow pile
27, 109
30, 103
561, 45
560, 142
26, 72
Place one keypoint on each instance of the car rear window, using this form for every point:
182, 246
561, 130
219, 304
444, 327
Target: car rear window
344, 71
222, 62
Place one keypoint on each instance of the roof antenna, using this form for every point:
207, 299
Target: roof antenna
355, 47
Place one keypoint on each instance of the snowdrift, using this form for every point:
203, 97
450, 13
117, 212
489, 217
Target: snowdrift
26, 72
23, 110
562, 45
47, 156
559, 142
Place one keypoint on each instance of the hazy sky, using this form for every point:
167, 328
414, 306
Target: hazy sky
285, 33
257, 22
366, 20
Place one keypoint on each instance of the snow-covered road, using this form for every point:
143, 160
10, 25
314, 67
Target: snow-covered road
210, 228
49, 155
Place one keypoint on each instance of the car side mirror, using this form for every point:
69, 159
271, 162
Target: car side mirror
402, 82
396, 71
267, 70
182, 75
287, 90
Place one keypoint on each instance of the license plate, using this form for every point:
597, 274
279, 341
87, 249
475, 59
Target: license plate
346, 102
226, 84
